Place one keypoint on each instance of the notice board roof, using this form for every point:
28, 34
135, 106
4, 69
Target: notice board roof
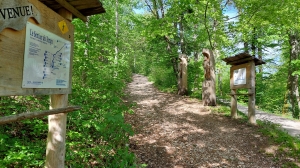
79, 8
242, 58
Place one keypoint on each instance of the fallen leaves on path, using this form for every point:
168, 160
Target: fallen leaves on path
172, 131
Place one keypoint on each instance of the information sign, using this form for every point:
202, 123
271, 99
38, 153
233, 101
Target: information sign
46, 59
239, 76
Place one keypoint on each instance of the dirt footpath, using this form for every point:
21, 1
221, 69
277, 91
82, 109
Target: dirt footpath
173, 131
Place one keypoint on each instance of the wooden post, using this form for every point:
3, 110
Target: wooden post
55, 152
251, 101
233, 103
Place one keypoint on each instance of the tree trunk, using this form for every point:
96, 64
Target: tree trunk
209, 84
253, 42
117, 37
86, 53
181, 35
182, 75
246, 47
259, 51
292, 84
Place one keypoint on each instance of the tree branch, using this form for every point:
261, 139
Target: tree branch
206, 27
37, 114
225, 4
149, 6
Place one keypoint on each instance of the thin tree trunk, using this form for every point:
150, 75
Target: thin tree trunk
246, 47
253, 43
259, 51
117, 37
86, 53
181, 35
292, 84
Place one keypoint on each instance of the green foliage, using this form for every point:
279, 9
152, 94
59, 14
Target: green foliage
164, 78
97, 135
22, 144
195, 78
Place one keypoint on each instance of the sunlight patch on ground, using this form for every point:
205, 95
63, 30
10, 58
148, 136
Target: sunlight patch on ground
271, 149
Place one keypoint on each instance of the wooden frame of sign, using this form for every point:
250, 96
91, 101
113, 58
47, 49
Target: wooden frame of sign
12, 50
36, 54
242, 75
246, 76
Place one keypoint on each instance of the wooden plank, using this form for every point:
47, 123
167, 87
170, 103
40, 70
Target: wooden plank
85, 7
12, 46
36, 114
240, 61
71, 8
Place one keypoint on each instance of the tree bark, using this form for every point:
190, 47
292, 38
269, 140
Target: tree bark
181, 35
292, 84
209, 83
117, 37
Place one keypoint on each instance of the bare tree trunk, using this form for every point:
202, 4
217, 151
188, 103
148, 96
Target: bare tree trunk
292, 84
253, 43
209, 84
86, 53
181, 35
246, 47
117, 37
259, 51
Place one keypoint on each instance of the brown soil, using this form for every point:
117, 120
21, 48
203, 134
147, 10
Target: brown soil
172, 131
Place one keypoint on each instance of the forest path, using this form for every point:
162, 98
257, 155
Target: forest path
179, 132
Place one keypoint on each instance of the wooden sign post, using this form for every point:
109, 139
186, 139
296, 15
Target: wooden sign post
36, 54
242, 75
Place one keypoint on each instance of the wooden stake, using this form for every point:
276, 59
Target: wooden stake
55, 153
233, 103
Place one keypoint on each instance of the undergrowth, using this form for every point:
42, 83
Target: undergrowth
97, 135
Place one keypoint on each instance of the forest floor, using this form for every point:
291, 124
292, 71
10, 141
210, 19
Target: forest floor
179, 132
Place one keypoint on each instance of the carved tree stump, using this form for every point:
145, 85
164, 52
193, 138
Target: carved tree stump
182, 76
209, 84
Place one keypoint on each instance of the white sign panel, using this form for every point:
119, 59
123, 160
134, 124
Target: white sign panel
239, 76
46, 59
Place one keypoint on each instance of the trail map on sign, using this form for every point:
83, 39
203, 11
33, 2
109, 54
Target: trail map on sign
239, 76
46, 59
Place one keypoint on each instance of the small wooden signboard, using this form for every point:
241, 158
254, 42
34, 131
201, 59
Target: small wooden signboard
36, 53
35, 60
242, 75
